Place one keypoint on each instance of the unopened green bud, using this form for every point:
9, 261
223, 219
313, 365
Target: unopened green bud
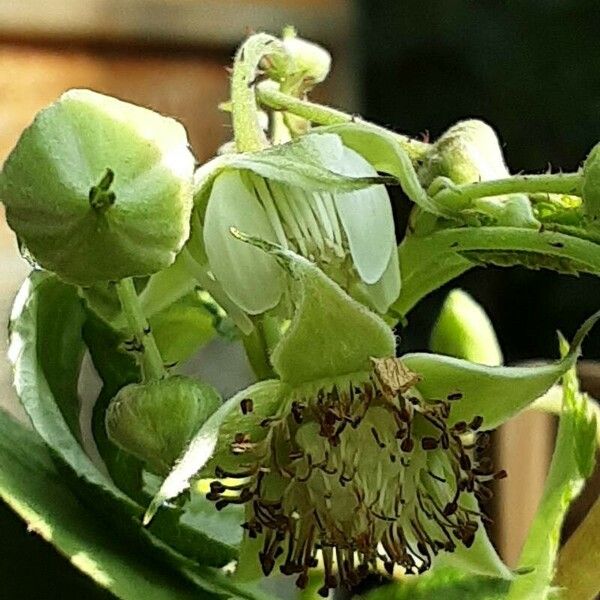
98, 189
591, 183
304, 62
154, 421
468, 152
463, 330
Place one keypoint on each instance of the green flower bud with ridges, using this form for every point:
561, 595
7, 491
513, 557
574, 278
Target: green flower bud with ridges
155, 420
98, 189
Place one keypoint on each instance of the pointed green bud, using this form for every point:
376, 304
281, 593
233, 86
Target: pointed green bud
154, 421
468, 152
463, 330
98, 189
591, 183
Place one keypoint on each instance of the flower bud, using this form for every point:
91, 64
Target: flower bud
98, 189
463, 330
591, 183
155, 420
468, 152
305, 62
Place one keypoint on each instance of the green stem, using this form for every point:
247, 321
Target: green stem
151, 360
577, 568
324, 115
459, 196
248, 134
257, 350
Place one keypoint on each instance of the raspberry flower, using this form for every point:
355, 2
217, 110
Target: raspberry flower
353, 454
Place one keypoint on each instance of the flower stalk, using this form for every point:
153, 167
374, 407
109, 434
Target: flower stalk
142, 340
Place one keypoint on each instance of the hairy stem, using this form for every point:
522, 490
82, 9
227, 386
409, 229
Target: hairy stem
324, 115
459, 196
143, 340
248, 134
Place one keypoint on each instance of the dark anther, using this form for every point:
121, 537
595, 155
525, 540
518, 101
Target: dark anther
450, 509
429, 443
465, 462
407, 445
302, 580
500, 474
454, 396
476, 423
297, 411
460, 427
246, 406
376, 437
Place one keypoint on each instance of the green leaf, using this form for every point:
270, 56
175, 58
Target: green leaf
572, 462
495, 393
449, 584
37, 395
31, 486
429, 261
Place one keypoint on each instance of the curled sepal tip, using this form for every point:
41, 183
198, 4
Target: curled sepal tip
491, 394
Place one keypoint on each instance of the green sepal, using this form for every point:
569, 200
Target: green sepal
572, 462
309, 162
385, 153
494, 393
184, 327
331, 335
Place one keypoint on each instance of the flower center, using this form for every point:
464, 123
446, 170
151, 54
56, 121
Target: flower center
362, 473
